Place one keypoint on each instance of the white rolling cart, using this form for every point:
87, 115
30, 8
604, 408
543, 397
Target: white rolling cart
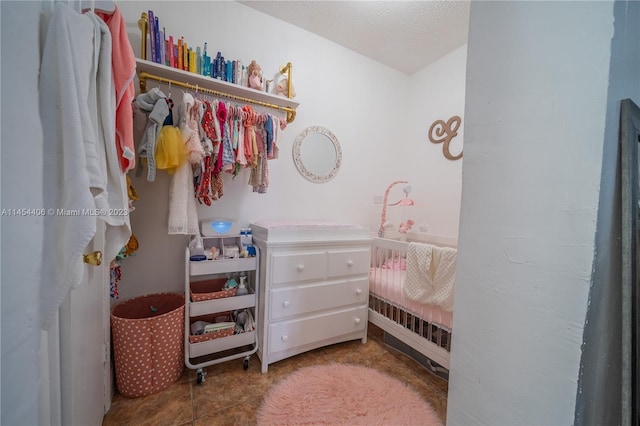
206, 301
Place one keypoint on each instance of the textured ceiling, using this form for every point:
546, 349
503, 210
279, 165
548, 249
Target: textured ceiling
405, 35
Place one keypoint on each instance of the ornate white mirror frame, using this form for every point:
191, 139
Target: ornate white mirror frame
319, 159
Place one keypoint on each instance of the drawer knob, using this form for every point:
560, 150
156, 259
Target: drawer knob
285, 303
284, 338
349, 262
358, 291
300, 268
357, 320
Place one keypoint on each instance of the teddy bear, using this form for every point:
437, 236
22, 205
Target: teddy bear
282, 87
254, 76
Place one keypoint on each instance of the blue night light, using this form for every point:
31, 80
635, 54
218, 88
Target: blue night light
221, 226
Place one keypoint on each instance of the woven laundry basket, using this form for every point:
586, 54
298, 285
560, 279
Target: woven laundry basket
148, 343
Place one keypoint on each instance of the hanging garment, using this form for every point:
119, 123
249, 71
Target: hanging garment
171, 151
235, 122
268, 129
249, 135
254, 146
258, 178
169, 120
189, 128
259, 174
102, 107
228, 159
183, 215
241, 159
124, 71
206, 127
276, 132
154, 104
203, 183
217, 186
70, 153
221, 117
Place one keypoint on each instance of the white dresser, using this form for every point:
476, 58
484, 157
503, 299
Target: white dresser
314, 286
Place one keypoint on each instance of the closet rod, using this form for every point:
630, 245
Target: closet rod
144, 76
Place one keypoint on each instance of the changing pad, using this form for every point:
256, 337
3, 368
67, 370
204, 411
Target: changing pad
305, 230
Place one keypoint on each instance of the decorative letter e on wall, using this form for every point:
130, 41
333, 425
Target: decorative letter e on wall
444, 132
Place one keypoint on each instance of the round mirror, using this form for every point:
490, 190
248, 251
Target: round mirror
317, 154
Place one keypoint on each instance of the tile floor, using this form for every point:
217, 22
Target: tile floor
231, 395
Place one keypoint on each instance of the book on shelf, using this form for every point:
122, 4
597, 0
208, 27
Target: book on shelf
206, 61
198, 61
185, 56
207, 65
167, 53
193, 61
239, 68
152, 32
162, 48
157, 39
170, 47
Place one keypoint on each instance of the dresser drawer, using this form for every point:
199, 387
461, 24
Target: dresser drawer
298, 267
290, 334
348, 262
285, 302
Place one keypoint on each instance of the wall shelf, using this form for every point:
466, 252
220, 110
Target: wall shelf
148, 70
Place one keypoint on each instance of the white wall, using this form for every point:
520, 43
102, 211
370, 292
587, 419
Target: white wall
537, 78
436, 93
361, 101
21, 183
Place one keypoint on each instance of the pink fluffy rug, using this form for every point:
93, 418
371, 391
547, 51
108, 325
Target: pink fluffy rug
341, 394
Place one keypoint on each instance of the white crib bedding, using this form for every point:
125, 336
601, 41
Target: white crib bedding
388, 285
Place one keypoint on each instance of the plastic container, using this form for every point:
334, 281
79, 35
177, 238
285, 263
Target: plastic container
196, 247
148, 338
242, 287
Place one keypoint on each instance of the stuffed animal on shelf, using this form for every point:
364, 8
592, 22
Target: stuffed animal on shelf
254, 73
281, 88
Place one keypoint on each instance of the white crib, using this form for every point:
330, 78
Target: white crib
423, 328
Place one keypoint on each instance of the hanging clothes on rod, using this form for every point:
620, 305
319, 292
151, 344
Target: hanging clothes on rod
219, 136
143, 76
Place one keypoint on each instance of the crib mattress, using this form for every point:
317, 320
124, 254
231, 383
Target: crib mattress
388, 283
